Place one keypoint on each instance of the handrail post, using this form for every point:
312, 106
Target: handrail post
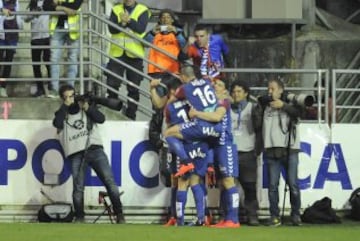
81, 53
90, 52
319, 90
326, 100
333, 81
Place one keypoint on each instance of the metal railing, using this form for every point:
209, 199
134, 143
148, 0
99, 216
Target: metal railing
88, 53
93, 58
346, 95
319, 74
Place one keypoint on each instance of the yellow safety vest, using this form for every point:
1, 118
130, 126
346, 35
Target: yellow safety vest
73, 22
125, 40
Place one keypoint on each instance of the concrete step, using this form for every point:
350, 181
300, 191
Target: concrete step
42, 109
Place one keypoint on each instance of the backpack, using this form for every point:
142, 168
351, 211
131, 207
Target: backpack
320, 212
56, 212
354, 201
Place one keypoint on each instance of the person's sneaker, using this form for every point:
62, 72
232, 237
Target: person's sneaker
53, 94
79, 220
221, 222
170, 222
226, 224
253, 221
39, 93
3, 92
274, 222
130, 114
296, 220
120, 219
185, 168
197, 223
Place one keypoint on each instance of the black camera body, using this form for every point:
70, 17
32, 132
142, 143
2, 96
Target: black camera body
265, 99
114, 104
87, 97
303, 100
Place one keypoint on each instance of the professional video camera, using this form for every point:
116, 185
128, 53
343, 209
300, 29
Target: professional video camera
301, 99
114, 104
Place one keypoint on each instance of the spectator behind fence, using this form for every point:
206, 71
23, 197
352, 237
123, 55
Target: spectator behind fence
40, 37
9, 40
281, 148
134, 17
246, 127
168, 36
209, 51
64, 29
77, 123
311, 112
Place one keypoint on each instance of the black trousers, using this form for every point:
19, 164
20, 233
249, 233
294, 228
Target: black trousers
131, 76
247, 179
6, 55
38, 55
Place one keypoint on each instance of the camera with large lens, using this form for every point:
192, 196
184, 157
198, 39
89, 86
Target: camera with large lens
114, 104
300, 99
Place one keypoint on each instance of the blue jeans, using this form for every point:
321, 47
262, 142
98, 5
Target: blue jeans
58, 40
291, 169
98, 161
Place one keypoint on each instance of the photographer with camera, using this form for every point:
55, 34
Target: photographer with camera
281, 147
77, 126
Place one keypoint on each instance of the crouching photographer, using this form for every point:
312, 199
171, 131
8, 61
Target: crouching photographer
281, 113
77, 126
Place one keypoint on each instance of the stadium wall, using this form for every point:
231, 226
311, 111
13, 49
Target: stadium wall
29, 150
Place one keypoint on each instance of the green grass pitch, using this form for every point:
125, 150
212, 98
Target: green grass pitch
151, 232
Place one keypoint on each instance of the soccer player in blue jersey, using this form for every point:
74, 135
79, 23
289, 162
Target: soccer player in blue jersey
225, 155
176, 112
200, 95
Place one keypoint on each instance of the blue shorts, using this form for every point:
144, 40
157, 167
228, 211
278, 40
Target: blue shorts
226, 160
198, 152
198, 130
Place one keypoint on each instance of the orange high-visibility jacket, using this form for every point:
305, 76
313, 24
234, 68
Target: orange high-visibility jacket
170, 44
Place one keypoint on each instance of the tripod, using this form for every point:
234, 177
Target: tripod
108, 207
286, 186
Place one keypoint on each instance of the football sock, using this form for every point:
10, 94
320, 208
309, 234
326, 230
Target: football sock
181, 197
232, 204
199, 201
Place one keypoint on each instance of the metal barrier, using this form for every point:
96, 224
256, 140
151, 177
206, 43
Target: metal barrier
320, 74
346, 99
89, 50
93, 58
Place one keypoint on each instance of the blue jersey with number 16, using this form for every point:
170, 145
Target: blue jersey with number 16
199, 93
